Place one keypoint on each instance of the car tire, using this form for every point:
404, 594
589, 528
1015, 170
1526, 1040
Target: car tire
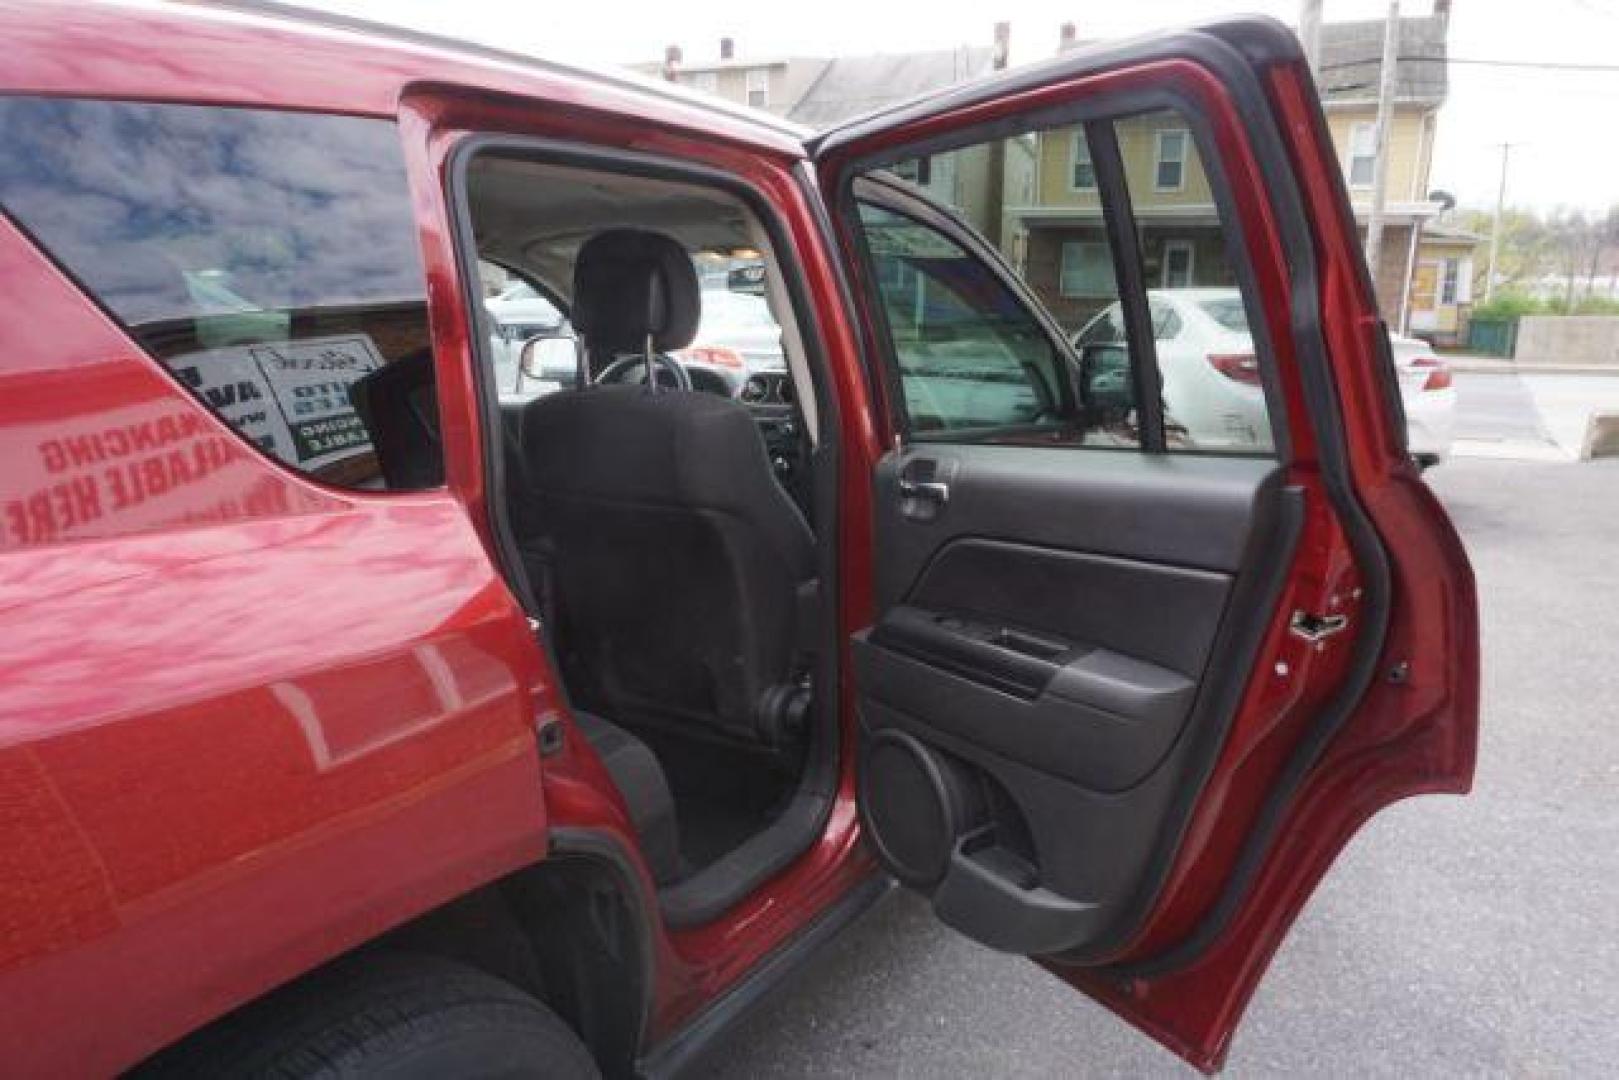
386, 1016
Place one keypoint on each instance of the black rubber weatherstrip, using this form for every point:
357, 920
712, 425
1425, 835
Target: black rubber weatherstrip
565, 841
1119, 218
1265, 41
1232, 50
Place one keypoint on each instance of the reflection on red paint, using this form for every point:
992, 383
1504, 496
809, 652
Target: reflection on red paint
131, 469
203, 728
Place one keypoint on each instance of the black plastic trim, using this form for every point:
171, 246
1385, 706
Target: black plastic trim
568, 840
1118, 216
683, 1050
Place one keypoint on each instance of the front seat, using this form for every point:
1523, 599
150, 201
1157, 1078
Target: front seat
675, 563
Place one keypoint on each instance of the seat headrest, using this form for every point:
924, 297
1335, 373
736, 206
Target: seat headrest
630, 283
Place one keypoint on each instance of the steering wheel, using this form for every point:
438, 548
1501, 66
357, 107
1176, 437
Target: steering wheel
677, 376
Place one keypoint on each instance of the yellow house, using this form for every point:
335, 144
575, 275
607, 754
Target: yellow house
1056, 236
1441, 296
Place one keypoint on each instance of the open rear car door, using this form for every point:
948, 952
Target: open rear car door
1131, 686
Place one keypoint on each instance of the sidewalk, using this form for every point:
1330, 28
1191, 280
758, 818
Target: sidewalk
1497, 365
1563, 405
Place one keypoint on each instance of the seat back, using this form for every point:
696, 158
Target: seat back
672, 556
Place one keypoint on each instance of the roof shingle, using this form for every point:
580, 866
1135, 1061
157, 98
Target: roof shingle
851, 85
1352, 60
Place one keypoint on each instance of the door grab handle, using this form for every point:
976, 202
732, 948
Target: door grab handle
931, 490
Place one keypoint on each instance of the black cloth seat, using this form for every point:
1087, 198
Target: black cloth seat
640, 779
674, 559
398, 404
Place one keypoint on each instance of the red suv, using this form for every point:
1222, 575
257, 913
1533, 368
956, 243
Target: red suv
376, 702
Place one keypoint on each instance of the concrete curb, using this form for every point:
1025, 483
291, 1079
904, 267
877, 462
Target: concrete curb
1512, 450
1481, 365
1601, 436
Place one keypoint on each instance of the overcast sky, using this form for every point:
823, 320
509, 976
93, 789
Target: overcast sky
1562, 120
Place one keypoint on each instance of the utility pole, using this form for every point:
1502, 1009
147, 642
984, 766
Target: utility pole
995, 194
1310, 35
1385, 117
1495, 228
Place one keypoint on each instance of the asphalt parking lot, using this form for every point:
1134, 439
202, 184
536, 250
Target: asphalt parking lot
1474, 936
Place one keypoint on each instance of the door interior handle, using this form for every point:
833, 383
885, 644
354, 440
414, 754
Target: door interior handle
924, 487
932, 491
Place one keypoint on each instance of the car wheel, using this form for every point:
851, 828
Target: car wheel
389, 1016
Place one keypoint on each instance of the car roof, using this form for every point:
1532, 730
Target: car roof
270, 54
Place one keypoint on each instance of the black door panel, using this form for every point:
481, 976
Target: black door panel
1061, 641
1076, 596
1182, 510
1066, 728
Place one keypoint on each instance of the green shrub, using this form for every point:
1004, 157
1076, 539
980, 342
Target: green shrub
1510, 306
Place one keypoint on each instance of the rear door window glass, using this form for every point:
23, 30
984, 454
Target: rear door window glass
1213, 395
270, 260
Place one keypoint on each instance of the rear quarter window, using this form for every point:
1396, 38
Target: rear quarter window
269, 260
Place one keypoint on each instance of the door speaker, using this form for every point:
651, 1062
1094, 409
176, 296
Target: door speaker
916, 804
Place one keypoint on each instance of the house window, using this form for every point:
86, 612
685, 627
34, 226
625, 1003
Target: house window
1451, 271
1177, 264
706, 81
1087, 269
1362, 154
1081, 173
759, 87
1169, 173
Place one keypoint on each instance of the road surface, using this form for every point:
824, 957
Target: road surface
1455, 937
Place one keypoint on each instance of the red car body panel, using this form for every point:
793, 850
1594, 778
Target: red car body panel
419, 804
205, 829
1414, 732
696, 964
330, 762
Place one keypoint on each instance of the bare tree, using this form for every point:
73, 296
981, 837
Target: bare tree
1604, 236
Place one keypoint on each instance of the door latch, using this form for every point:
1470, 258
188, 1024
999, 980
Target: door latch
1316, 628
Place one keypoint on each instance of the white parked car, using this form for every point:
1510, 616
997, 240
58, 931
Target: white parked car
736, 332
1211, 382
737, 337
1430, 399
518, 313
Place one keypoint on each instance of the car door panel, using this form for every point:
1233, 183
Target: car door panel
1056, 672
1034, 586
1106, 717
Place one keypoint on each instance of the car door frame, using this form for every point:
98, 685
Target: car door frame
1223, 908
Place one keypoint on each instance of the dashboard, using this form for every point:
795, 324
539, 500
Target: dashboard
769, 396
